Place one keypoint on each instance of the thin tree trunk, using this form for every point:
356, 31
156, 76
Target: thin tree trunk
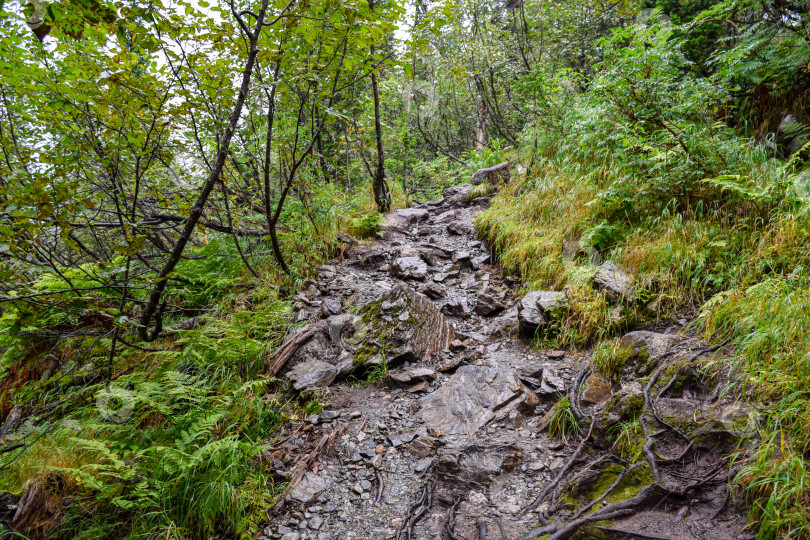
481, 127
382, 196
213, 177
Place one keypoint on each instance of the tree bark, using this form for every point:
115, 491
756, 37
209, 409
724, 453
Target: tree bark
481, 127
382, 196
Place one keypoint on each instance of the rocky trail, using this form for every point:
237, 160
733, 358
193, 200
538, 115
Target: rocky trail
452, 443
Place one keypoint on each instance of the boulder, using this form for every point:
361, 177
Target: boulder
456, 194
459, 228
626, 405
414, 375
456, 307
615, 282
404, 220
409, 267
331, 306
312, 374
308, 489
403, 325
493, 175
371, 257
597, 390
487, 304
655, 344
317, 347
477, 464
784, 131
534, 309
472, 397
336, 325
345, 238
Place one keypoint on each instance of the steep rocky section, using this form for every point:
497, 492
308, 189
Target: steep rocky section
453, 442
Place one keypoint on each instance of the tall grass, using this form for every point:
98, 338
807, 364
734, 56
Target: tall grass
735, 245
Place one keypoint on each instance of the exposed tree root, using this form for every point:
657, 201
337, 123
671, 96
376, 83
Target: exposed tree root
630, 535
560, 475
482, 529
380, 486
416, 511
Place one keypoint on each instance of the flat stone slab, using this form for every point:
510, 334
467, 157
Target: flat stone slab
403, 220
471, 398
409, 267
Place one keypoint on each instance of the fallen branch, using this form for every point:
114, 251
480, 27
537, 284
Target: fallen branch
415, 511
304, 463
288, 349
610, 511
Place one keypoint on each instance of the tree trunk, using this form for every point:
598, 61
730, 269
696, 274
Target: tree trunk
481, 128
213, 177
382, 196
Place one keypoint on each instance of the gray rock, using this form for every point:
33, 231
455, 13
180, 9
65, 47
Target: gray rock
414, 375
487, 304
331, 306
493, 175
345, 364
312, 374
425, 254
346, 238
459, 228
478, 262
456, 307
401, 438
551, 383
784, 134
409, 267
654, 344
403, 220
308, 489
615, 282
471, 398
384, 334
423, 464
462, 257
315, 522
626, 405
433, 291
457, 194
478, 464
326, 416
336, 325
534, 309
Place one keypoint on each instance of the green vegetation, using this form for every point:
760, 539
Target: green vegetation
172, 174
627, 439
608, 358
563, 424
